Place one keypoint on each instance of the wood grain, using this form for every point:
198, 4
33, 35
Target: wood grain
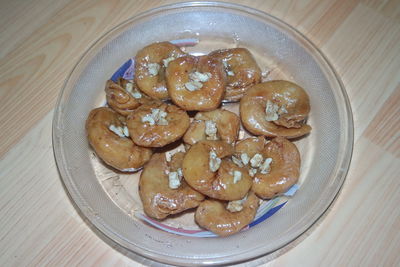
40, 42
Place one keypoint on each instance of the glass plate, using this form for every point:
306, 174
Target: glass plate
109, 199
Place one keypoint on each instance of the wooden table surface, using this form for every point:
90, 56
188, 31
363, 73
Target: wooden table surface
41, 40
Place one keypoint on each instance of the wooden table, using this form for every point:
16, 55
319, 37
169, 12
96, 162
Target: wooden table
41, 40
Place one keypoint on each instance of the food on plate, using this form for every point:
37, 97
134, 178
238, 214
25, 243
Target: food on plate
283, 170
274, 165
150, 65
162, 189
157, 125
208, 169
242, 71
276, 108
196, 83
227, 218
225, 172
109, 137
124, 96
218, 124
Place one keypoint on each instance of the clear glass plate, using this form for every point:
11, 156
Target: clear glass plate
109, 200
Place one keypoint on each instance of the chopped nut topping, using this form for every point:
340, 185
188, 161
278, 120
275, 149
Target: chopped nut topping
193, 85
157, 117
129, 87
148, 118
265, 167
259, 164
256, 160
166, 61
168, 156
252, 172
282, 110
271, 111
228, 71
237, 176
211, 130
126, 131
245, 158
180, 173
236, 205
135, 93
153, 68
175, 179
214, 161
196, 80
201, 77
237, 161
120, 131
